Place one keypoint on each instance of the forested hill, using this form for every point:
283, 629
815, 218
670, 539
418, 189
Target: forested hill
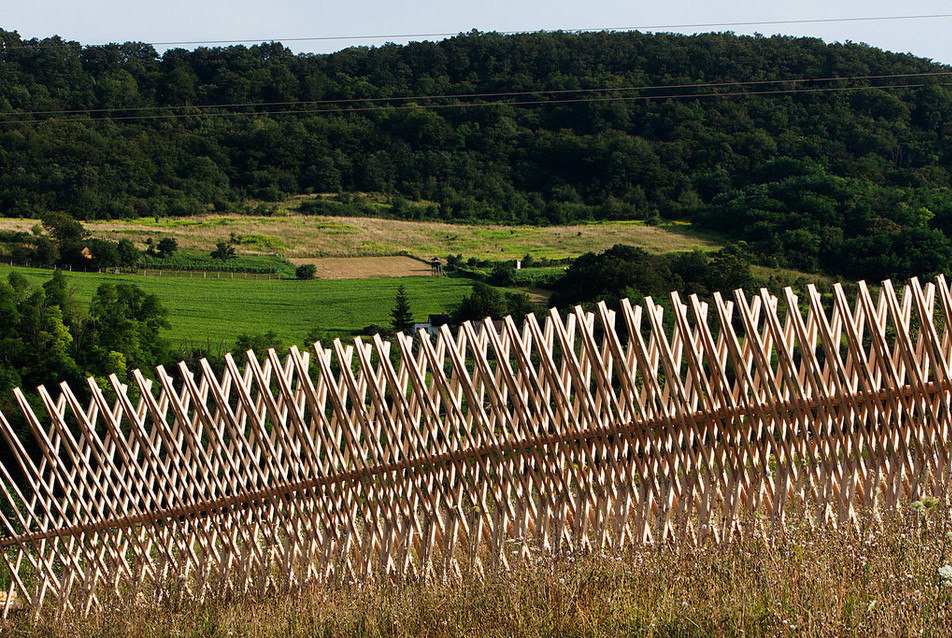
748, 135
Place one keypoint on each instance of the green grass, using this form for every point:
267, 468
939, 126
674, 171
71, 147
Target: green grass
218, 310
190, 259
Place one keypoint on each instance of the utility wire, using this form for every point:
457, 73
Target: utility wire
405, 36
499, 94
520, 103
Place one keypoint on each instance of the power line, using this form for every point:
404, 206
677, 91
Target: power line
497, 94
756, 23
447, 34
522, 103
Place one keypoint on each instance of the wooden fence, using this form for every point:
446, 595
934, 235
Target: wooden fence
470, 452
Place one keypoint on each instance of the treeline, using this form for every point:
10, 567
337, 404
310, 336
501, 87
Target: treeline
621, 272
633, 273
47, 336
621, 126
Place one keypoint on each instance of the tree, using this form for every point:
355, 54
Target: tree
124, 319
610, 273
64, 229
401, 318
46, 252
57, 293
483, 301
129, 256
305, 271
224, 251
518, 305
503, 274
167, 247
105, 253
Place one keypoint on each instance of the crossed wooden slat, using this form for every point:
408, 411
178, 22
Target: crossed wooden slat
476, 450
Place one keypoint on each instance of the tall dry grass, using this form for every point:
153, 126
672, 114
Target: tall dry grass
881, 579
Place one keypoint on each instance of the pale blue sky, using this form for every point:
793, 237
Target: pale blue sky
100, 21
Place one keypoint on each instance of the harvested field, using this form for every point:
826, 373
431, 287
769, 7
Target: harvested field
364, 267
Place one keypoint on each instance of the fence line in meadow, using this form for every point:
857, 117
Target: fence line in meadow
472, 451
165, 272
205, 274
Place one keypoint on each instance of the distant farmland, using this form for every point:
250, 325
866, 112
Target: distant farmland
300, 237
216, 311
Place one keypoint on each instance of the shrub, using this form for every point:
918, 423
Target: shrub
305, 271
223, 251
167, 247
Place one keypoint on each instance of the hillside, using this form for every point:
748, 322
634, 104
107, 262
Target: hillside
823, 157
301, 238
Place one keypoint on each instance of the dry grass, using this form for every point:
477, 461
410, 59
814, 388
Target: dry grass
309, 237
802, 582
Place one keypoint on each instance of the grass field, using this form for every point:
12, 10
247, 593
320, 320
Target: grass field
306, 237
216, 311
876, 580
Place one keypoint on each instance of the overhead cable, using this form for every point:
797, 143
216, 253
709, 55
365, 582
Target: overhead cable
520, 103
449, 34
484, 95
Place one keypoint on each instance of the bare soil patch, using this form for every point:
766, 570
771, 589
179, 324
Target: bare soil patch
365, 267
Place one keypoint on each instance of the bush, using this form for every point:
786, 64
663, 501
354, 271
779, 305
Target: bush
305, 271
374, 329
128, 256
223, 251
167, 247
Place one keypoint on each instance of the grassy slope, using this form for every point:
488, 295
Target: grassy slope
297, 236
218, 311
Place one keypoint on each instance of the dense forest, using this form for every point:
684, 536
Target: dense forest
831, 157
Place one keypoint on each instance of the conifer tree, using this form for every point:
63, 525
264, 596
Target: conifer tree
401, 317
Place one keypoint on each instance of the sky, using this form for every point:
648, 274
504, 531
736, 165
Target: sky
322, 26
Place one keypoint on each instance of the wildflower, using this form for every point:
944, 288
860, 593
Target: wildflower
945, 574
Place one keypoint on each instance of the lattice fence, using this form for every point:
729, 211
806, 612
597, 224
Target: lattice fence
472, 451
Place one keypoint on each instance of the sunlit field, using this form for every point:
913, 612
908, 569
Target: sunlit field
211, 311
884, 579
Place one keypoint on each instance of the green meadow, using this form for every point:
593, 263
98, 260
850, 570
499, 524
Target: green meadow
215, 311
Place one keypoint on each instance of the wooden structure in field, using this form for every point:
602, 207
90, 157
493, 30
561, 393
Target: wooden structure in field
472, 451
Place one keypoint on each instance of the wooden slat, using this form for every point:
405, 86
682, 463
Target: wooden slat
434, 457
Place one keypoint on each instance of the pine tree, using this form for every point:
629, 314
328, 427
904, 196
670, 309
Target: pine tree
401, 318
